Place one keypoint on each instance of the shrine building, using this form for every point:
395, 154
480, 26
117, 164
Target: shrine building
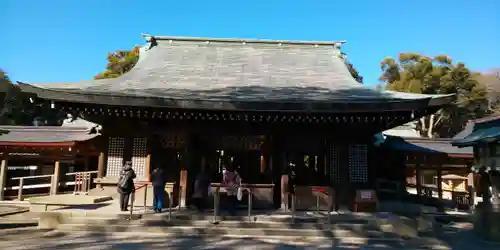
192, 103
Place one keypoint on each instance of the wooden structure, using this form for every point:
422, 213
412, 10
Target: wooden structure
426, 166
255, 104
483, 135
34, 159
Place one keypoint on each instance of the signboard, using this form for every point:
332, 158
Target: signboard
366, 194
319, 189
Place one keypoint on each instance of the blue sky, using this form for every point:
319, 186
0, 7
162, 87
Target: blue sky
67, 40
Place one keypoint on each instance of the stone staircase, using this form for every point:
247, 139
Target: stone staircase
303, 225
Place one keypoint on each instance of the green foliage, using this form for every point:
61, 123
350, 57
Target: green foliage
416, 73
119, 63
15, 109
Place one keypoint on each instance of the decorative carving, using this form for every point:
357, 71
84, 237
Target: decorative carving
173, 140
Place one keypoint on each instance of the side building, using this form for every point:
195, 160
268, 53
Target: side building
37, 160
193, 103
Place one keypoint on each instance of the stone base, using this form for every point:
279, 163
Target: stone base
487, 224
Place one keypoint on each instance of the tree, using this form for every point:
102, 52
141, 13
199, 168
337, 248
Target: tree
491, 80
14, 109
119, 63
438, 75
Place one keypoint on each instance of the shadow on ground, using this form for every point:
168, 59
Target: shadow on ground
35, 239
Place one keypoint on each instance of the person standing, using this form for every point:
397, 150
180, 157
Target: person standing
231, 181
158, 180
201, 189
126, 185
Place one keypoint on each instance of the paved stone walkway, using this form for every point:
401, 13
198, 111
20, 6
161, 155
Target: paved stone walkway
35, 239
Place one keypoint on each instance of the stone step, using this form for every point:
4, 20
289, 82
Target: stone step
286, 218
229, 223
222, 230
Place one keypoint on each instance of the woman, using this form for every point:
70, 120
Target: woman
231, 180
126, 185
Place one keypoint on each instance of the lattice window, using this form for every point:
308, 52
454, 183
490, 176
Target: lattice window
358, 163
334, 163
139, 151
114, 164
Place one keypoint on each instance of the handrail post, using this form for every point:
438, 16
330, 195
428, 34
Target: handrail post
317, 202
132, 199
170, 197
75, 188
84, 183
249, 204
293, 208
20, 190
88, 183
145, 196
216, 204
52, 184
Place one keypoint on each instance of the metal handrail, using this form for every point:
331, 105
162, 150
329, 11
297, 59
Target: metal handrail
293, 205
132, 199
217, 205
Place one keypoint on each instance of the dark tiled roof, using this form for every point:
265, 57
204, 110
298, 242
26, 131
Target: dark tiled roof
481, 135
425, 145
236, 70
482, 130
49, 134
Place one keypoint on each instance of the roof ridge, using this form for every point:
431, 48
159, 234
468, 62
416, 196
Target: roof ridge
337, 44
43, 128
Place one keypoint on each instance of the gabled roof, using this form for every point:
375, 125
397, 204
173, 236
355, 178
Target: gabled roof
43, 136
185, 72
427, 145
484, 130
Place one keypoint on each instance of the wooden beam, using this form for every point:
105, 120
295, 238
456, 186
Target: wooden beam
55, 178
418, 176
100, 168
440, 187
3, 177
148, 167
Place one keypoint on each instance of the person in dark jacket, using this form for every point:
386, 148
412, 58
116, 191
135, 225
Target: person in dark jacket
158, 179
126, 185
201, 189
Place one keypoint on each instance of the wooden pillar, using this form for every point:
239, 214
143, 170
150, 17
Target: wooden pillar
183, 179
148, 167
55, 178
284, 183
440, 187
3, 177
418, 179
100, 168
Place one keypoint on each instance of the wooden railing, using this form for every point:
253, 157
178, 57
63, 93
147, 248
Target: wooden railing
458, 199
21, 185
82, 183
